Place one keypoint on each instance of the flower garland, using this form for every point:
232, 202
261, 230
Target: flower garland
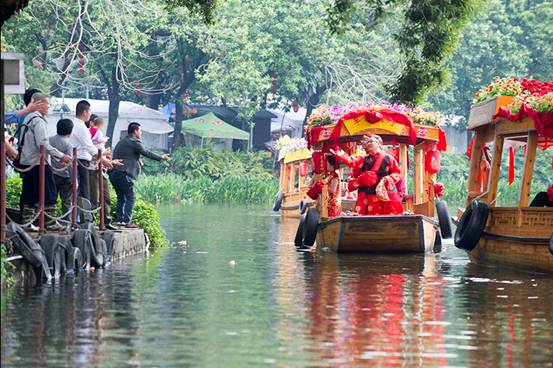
285, 144
432, 118
325, 115
524, 88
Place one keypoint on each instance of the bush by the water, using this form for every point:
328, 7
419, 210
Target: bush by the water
204, 176
145, 215
165, 188
192, 163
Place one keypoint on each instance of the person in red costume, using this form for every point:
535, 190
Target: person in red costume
332, 180
374, 176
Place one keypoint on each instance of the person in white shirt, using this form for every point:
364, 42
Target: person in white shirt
86, 150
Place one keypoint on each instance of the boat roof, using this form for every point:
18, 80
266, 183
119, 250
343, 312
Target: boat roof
390, 132
298, 155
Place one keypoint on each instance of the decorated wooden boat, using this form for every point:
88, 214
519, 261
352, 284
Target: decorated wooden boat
520, 235
294, 159
415, 231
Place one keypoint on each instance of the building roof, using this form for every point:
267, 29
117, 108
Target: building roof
151, 120
210, 126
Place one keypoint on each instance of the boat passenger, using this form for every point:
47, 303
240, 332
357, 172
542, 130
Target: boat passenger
543, 199
374, 176
332, 180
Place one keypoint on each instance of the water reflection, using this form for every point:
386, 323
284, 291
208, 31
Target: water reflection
279, 306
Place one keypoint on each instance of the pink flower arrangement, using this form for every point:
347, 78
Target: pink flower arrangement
325, 115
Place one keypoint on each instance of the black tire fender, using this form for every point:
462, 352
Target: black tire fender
81, 240
109, 237
25, 245
74, 260
278, 201
97, 253
298, 240
49, 243
471, 225
310, 226
444, 219
303, 206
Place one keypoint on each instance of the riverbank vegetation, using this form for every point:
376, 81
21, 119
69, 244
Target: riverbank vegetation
204, 176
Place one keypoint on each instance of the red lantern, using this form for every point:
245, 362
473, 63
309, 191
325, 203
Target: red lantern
432, 162
81, 71
81, 46
37, 64
296, 105
81, 63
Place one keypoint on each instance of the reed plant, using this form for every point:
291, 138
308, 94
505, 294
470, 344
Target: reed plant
172, 188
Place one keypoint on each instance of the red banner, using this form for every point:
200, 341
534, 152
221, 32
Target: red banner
542, 120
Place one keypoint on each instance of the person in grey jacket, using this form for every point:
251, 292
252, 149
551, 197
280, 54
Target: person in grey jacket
35, 135
122, 177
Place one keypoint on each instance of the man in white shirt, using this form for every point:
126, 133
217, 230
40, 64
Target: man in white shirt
80, 138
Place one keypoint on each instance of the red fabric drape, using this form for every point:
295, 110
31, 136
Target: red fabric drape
542, 120
469, 148
442, 143
511, 178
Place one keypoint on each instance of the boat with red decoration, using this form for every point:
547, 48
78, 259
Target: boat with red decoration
294, 159
399, 220
491, 232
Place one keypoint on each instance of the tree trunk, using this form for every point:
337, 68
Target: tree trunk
177, 134
312, 101
114, 100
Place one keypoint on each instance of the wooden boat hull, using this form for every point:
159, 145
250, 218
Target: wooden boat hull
378, 234
291, 204
518, 238
526, 253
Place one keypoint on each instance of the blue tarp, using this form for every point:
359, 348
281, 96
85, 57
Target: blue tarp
169, 110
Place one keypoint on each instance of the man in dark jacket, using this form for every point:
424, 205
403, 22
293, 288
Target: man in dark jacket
128, 150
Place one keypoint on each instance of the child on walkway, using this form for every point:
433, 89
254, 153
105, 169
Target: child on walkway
99, 140
62, 174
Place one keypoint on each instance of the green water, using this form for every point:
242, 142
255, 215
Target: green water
240, 295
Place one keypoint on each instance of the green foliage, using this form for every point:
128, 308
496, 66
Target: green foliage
506, 39
13, 191
194, 162
429, 35
202, 7
455, 170
146, 216
171, 188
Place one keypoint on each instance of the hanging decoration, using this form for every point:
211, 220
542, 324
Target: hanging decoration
432, 162
511, 177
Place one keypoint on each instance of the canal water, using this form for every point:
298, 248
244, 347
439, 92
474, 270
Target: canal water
240, 295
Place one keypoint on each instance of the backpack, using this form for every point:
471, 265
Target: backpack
20, 134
